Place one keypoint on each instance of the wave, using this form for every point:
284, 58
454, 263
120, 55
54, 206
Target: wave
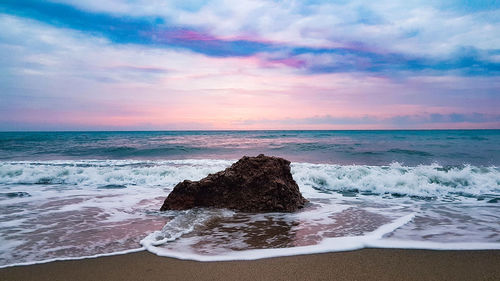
108, 174
374, 239
423, 181
191, 219
337, 244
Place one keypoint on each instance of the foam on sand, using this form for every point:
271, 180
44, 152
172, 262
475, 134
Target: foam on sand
326, 245
370, 240
151, 243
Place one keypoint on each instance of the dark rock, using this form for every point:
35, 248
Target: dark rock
253, 184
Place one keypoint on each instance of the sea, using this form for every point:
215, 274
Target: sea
74, 195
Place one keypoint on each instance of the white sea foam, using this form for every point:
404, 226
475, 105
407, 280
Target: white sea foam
338, 244
47, 209
430, 181
74, 258
326, 245
105, 173
429, 245
183, 223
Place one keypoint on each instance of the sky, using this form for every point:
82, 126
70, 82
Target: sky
246, 65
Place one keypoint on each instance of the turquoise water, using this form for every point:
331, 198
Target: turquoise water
445, 147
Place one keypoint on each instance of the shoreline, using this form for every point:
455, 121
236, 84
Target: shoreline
364, 264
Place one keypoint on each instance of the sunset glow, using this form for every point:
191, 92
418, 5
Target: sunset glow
184, 65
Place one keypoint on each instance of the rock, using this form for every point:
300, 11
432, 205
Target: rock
253, 184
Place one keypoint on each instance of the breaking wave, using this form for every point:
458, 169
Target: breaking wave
108, 174
423, 181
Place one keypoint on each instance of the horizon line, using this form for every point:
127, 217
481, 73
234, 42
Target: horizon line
239, 130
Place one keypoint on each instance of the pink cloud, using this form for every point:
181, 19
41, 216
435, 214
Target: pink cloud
291, 62
191, 35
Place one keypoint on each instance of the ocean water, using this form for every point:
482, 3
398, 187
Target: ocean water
84, 194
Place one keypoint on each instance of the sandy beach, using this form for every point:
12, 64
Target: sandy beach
366, 264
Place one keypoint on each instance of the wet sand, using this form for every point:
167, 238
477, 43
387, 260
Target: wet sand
366, 264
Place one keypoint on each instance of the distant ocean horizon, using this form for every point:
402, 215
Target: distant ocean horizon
66, 195
413, 147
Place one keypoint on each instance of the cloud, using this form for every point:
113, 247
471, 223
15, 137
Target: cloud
63, 74
112, 64
436, 27
398, 121
365, 39
19, 125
